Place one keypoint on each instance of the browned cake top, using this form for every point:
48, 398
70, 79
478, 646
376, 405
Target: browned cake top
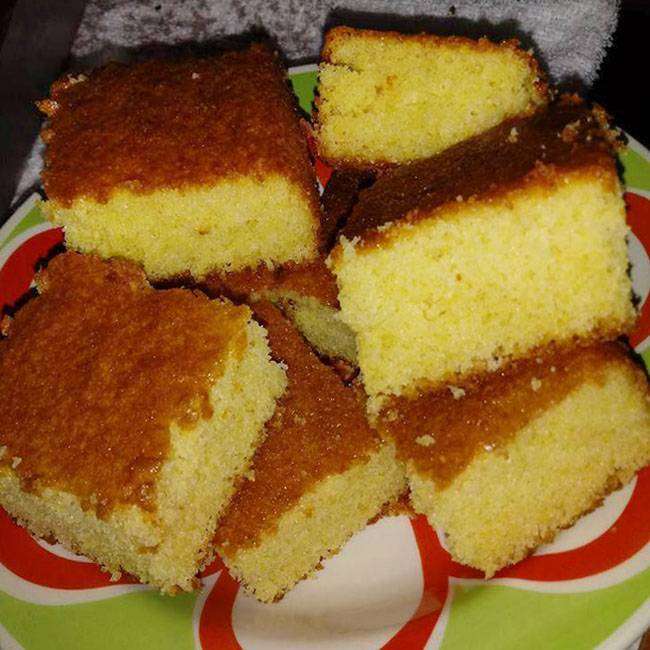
566, 136
311, 279
339, 197
442, 431
318, 429
173, 124
95, 369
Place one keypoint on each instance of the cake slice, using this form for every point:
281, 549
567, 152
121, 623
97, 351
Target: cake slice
185, 166
502, 244
128, 414
505, 462
320, 475
386, 98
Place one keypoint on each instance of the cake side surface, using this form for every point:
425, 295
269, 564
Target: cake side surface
317, 526
543, 445
386, 98
485, 281
123, 428
197, 230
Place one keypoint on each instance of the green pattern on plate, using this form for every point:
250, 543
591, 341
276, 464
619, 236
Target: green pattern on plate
32, 218
304, 84
635, 170
143, 619
495, 616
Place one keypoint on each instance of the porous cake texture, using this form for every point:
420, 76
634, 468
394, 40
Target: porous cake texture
508, 242
321, 474
185, 166
128, 414
386, 98
506, 461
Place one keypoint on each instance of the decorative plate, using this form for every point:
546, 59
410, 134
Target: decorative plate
394, 585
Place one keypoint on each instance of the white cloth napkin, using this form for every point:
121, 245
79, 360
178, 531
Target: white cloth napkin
571, 36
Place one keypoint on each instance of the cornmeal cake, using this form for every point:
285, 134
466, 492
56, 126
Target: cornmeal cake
306, 291
505, 462
386, 98
505, 243
184, 166
320, 475
127, 414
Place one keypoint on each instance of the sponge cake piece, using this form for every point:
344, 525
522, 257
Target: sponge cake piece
386, 98
128, 414
505, 462
508, 242
183, 166
320, 475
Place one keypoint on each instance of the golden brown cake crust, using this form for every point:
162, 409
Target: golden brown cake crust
567, 136
318, 429
173, 124
311, 279
442, 431
94, 371
335, 35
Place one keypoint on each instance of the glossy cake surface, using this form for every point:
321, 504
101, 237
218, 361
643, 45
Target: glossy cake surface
441, 432
171, 124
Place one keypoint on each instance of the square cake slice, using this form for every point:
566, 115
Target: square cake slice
386, 98
511, 241
128, 414
185, 166
321, 474
506, 461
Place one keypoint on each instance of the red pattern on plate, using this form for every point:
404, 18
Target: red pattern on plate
628, 535
215, 626
18, 271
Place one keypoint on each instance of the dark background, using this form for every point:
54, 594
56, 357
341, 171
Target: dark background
35, 38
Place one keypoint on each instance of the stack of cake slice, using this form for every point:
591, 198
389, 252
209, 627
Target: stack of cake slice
484, 285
